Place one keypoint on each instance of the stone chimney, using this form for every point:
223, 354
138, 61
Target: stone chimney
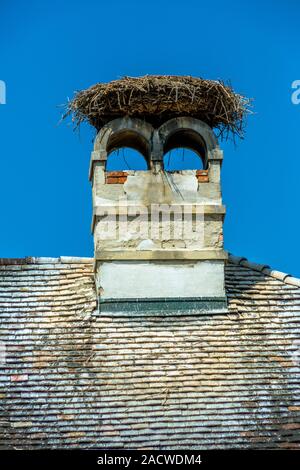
158, 234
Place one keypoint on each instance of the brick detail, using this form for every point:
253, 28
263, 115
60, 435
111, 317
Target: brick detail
115, 177
202, 176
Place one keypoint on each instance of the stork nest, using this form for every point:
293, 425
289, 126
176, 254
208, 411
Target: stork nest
157, 99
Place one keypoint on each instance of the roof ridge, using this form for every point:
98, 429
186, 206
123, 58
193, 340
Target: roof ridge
45, 260
264, 269
237, 260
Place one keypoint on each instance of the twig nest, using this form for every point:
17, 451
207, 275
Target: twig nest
157, 99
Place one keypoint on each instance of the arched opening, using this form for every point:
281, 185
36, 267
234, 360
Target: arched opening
125, 159
182, 158
127, 150
184, 150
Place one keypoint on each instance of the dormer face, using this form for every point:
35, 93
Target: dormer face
157, 219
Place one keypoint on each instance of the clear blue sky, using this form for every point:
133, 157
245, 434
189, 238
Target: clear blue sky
49, 49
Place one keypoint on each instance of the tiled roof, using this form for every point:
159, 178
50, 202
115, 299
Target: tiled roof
73, 377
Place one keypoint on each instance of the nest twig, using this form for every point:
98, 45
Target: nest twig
158, 98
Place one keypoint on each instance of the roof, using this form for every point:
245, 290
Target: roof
73, 377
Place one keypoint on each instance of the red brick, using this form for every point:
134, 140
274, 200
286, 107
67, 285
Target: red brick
115, 179
116, 173
110, 180
122, 179
202, 176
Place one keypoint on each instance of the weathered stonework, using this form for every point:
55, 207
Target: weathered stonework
124, 203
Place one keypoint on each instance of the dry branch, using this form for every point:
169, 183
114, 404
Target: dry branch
158, 98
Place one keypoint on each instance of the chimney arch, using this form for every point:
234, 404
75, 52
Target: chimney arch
190, 133
124, 133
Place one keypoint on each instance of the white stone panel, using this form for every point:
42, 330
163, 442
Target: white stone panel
142, 279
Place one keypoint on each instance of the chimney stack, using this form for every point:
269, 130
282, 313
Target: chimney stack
158, 234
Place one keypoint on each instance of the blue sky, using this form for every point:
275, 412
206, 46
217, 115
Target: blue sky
50, 49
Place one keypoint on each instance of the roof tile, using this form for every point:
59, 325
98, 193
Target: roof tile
92, 380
